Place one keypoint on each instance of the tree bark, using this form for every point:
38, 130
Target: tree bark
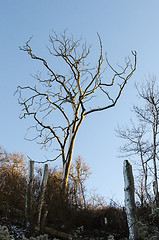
130, 201
155, 183
40, 202
67, 164
29, 195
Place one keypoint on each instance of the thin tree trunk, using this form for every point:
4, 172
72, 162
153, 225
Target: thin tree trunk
29, 195
155, 167
130, 200
43, 218
144, 167
41, 198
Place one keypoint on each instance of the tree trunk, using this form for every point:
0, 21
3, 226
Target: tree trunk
155, 183
40, 202
29, 195
130, 200
67, 165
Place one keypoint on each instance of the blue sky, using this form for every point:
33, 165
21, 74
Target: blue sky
123, 26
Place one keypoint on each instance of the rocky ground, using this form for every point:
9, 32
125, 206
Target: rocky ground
17, 233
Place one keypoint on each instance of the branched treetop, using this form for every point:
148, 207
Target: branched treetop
68, 96
142, 137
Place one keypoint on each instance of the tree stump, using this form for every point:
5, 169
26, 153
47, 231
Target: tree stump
130, 200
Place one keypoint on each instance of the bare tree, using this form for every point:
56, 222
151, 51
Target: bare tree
142, 138
59, 102
140, 191
79, 173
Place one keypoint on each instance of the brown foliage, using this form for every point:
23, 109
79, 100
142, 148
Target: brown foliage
63, 208
12, 181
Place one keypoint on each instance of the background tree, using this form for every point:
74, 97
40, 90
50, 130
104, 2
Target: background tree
140, 192
58, 102
63, 214
142, 138
60, 208
79, 173
12, 182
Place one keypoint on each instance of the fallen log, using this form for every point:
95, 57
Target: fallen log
57, 233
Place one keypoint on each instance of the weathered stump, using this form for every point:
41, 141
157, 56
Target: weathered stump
130, 201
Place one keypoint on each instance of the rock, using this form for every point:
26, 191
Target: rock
110, 237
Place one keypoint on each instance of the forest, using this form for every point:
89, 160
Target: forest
73, 214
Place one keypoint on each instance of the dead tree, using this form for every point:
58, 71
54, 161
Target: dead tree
29, 195
130, 200
34, 218
38, 214
142, 138
59, 102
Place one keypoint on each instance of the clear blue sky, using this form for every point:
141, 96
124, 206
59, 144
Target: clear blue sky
123, 26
